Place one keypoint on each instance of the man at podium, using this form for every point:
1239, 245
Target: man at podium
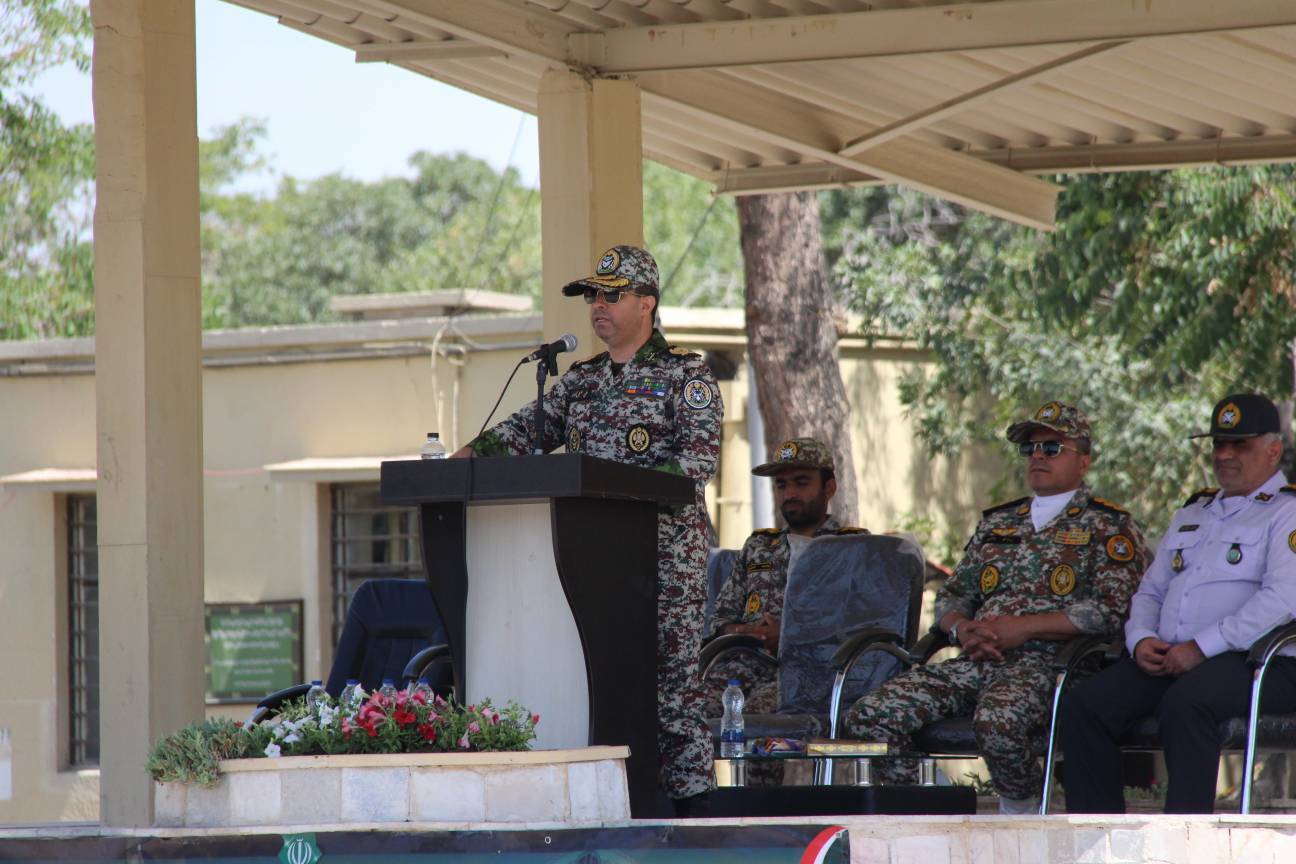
644, 403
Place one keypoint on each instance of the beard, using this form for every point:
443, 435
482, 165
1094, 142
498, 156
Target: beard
810, 512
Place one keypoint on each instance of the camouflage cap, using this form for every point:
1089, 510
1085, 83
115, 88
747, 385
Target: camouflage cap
796, 453
626, 267
1066, 420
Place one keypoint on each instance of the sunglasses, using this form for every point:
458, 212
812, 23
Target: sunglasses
611, 296
1049, 448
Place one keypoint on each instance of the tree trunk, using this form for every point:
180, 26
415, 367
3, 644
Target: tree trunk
792, 332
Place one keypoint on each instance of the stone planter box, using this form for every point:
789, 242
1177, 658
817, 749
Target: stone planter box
537, 786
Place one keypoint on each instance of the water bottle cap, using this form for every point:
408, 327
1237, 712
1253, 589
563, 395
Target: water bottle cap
434, 436
734, 682
425, 679
316, 683
387, 681
351, 681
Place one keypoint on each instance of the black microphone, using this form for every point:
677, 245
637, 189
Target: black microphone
554, 348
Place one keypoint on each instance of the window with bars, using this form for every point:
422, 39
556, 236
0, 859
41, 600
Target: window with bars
83, 630
371, 540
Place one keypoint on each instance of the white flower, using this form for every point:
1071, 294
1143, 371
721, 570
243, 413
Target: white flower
327, 715
290, 739
279, 731
272, 750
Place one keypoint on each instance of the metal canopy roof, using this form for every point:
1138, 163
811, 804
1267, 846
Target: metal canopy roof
963, 101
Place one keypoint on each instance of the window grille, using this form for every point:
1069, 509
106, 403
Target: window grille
83, 630
371, 540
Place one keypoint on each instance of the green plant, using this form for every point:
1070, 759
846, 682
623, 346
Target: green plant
379, 724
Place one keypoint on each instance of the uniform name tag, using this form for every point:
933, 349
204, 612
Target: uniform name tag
1073, 537
756, 568
1189, 527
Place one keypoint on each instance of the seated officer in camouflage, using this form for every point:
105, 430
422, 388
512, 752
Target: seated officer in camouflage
1038, 571
751, 600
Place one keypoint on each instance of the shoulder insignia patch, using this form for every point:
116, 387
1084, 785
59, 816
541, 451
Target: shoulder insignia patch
1004, 506
1208, 493
682, 352
1104, 504
697, 393
1120, 548
989, 579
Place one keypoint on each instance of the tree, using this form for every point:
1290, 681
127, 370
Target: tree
792, 331
1157, 293
46, 179
694, 236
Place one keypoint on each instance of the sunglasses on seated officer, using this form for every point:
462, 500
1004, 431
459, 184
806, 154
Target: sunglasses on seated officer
611, 296
1049, 448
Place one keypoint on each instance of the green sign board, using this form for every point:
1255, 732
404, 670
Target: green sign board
252, 649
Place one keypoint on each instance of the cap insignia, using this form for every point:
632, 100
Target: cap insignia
787, 451
1050, 412
608, 264
1229, 416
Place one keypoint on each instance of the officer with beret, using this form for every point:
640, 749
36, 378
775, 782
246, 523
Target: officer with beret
1224, 575
645, 403
751, 599
1038, 571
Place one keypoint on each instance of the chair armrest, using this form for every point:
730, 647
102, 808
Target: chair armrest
1080, 648
269, 706
867, 640
419, 663
926, 647
741, 643
1264, 648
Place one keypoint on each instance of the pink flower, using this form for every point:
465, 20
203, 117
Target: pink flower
438, 701
463, 742
494, 718
474, 727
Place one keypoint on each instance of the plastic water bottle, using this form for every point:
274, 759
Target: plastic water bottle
388, 690
350, 698
733, 740
433, 448
315, 696
424, 686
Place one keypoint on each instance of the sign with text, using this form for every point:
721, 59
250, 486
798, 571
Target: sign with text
252, 649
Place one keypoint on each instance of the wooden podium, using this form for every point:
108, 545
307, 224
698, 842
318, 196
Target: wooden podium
544, 571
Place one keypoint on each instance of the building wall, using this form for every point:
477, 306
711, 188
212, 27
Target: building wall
268, 401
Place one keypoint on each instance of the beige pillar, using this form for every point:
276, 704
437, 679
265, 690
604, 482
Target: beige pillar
591, 188
148, 390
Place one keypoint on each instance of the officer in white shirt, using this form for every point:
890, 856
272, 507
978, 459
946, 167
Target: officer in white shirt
1224, 575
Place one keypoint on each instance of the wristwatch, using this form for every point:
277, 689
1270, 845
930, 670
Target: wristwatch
953, 633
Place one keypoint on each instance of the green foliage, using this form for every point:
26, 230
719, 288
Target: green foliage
46, 178
694, 236
405, 724
1157, 293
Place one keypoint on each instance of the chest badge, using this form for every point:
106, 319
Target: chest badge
1120, 548
573, 439
753, 603
1023, 510
1073, 511
989, 578
638, 439
1177, 562
1062, 580
1234, 554
697, 393
1291, 541
1073, 537
645, 387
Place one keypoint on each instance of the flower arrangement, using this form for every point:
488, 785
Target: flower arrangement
399, 722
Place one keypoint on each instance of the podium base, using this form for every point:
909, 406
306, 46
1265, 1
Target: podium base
737, 801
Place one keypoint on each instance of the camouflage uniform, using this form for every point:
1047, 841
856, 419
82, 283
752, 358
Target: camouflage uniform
755, 587
1085, 563
661, 410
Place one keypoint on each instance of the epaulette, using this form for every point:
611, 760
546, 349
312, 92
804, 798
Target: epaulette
590, 360
1110, 507
767, 531
850, 529
682, 352
1004, 506
1289, 489
1207, 493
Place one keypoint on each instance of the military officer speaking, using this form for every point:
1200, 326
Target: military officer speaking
1224, 575
751, 600
644, 403
1037, 571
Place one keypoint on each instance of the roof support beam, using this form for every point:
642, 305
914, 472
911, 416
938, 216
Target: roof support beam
1258, 150
423, 52
788, 178
890, 32
968, 100
526, 31
785, 122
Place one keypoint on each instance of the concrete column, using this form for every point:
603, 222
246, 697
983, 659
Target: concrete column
591, 188
148, 356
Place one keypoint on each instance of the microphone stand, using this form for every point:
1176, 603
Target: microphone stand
547, 366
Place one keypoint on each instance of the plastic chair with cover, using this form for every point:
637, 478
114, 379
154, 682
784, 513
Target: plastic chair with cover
389, 622
841, 590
